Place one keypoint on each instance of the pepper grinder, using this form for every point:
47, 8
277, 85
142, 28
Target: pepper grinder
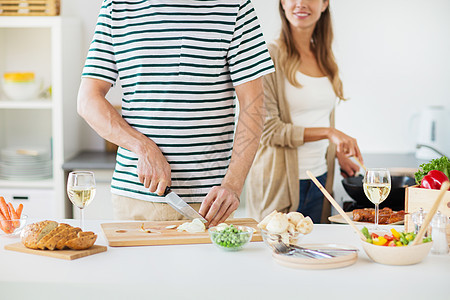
418, 217
438, 234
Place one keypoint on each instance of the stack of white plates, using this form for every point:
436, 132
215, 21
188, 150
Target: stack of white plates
25, 164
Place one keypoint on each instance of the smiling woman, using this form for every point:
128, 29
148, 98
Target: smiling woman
299, 133
391, 56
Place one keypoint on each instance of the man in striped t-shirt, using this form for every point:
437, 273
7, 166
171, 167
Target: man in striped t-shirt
180, 64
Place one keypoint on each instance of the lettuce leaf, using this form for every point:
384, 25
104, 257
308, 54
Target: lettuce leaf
441, 164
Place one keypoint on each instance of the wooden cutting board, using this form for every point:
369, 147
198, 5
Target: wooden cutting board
63, 254
131, 234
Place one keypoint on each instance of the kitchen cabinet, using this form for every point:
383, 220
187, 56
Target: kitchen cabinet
50, 47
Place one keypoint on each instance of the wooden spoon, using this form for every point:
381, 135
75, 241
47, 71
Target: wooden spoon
360, 163
335, 204
430, 214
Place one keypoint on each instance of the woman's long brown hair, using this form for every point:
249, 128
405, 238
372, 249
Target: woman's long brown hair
322, 40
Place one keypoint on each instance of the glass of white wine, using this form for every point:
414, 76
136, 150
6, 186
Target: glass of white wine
377, 186
81, 190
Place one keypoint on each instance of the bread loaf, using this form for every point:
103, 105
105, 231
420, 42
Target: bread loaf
43, 242
51, 243
83, 241
73, 232
33, 233
51, 235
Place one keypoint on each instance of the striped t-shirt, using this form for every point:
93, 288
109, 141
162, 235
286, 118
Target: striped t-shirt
178, 62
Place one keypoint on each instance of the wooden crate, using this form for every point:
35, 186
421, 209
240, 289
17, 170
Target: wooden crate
416, 198
29, 7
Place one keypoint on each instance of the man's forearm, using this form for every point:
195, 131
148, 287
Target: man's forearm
105, 120
248, 133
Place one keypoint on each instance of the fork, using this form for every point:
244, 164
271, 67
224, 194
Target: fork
283, 248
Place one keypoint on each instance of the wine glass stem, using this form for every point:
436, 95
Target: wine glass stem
82, 219
376, 216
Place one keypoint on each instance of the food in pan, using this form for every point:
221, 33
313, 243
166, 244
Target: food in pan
386, 215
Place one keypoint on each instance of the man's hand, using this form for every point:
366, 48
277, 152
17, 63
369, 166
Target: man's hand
153, 170
219, 204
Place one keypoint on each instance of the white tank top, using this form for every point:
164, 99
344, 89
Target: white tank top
310, 106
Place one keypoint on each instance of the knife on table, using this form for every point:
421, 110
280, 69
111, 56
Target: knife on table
181, 206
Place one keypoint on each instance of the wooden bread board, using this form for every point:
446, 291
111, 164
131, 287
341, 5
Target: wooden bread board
130, 233
63, 254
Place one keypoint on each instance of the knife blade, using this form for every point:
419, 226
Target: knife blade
181, 206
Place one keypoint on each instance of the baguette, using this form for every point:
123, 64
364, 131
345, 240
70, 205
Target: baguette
51, 235
33, 233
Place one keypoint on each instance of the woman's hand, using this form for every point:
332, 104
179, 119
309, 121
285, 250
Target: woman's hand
346, 145
348, 167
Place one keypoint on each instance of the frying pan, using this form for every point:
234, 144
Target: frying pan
396, 199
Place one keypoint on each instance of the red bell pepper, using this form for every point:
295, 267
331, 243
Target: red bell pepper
388, 237
433, 180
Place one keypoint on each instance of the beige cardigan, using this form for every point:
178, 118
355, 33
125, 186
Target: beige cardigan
273, 180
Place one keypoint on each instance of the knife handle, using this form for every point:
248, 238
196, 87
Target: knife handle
167, 190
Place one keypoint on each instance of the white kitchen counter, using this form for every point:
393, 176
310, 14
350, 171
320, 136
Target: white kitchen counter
206, 272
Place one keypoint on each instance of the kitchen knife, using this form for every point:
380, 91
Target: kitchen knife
182, 207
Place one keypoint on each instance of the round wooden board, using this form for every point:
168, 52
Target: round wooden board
339, 261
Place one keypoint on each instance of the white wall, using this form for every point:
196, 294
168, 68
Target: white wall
393, 58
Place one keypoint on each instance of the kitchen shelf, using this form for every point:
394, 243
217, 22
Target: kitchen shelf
35, 184
50, 47
91, 159
29, 22
34, 104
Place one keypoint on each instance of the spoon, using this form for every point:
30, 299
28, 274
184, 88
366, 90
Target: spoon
360, 163
430, 214
335, 204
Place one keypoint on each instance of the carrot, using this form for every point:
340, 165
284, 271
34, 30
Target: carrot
4, 208
5, 224
19, 210
1, 221
15, 218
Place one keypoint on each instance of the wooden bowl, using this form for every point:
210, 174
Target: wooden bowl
397, 256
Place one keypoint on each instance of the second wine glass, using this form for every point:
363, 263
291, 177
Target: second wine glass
81, 190
377, 186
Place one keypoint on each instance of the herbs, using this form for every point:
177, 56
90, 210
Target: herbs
441, 164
